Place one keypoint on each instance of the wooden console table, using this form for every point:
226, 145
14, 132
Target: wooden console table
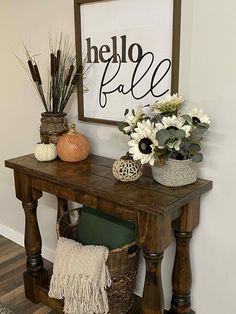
154, 209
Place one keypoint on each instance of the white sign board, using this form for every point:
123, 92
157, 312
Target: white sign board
128, 46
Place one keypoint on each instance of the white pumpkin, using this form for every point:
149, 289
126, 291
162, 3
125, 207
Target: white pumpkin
45, 152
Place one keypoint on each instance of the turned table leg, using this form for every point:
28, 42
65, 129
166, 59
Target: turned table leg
182, 275
33, 243
153, 298
153, 236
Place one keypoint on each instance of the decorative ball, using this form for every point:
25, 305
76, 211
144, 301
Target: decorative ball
73, 146
127, 170
45, 152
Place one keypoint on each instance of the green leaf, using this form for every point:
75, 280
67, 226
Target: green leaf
163, 136
185, 145
180, 134
186, 117
153, 120
195, 147
197, 134
197, 157
203, 125
159, 152
172, 132
126, 112
196, 138
121, 125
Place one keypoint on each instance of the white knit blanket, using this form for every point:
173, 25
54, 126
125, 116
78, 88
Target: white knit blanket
80, 276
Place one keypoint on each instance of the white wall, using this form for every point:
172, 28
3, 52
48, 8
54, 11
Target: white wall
207, 80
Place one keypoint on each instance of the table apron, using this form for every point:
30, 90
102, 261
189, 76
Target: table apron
85, 198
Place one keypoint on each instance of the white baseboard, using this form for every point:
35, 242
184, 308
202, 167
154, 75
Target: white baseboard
12, 235
48, 254
18, 238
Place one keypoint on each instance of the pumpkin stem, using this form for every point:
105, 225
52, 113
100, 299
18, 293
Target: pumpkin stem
72, 129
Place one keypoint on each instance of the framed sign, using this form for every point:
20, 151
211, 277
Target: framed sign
131, 48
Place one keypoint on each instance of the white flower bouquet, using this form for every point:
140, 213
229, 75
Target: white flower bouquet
165, 133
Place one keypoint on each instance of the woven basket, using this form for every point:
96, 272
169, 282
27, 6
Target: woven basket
175, 172
122, 264
52, 126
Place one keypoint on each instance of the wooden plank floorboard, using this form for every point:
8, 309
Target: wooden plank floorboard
13, 281
7, 254
12, 265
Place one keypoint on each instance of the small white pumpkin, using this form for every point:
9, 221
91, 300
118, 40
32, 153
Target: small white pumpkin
45, 152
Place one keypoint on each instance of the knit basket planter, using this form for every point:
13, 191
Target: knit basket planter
175, 172
52, 126
122, 264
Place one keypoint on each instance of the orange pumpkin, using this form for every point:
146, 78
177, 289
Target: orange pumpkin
73, 146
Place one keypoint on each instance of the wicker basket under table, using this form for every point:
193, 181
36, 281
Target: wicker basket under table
122, 264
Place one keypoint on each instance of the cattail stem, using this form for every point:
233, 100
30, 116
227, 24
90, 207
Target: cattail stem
53, 71
74, 83
53, 64
41, 93
31, 67
66, 86
68, 78
58, 59
37, 75
67, 97
63, 77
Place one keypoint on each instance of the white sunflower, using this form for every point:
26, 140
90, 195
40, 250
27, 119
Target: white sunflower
132, 119
199, 117
143, 142
174, 123
167, 104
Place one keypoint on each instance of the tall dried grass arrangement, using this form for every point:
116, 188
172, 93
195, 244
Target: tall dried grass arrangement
64, 76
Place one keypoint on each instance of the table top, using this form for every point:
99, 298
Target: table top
94, 176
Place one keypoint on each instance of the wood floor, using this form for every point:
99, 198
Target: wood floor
12, 265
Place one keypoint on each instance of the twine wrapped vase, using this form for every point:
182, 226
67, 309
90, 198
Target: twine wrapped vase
175, 172
52, 126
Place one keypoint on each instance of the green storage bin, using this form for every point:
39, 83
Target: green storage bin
98, 228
